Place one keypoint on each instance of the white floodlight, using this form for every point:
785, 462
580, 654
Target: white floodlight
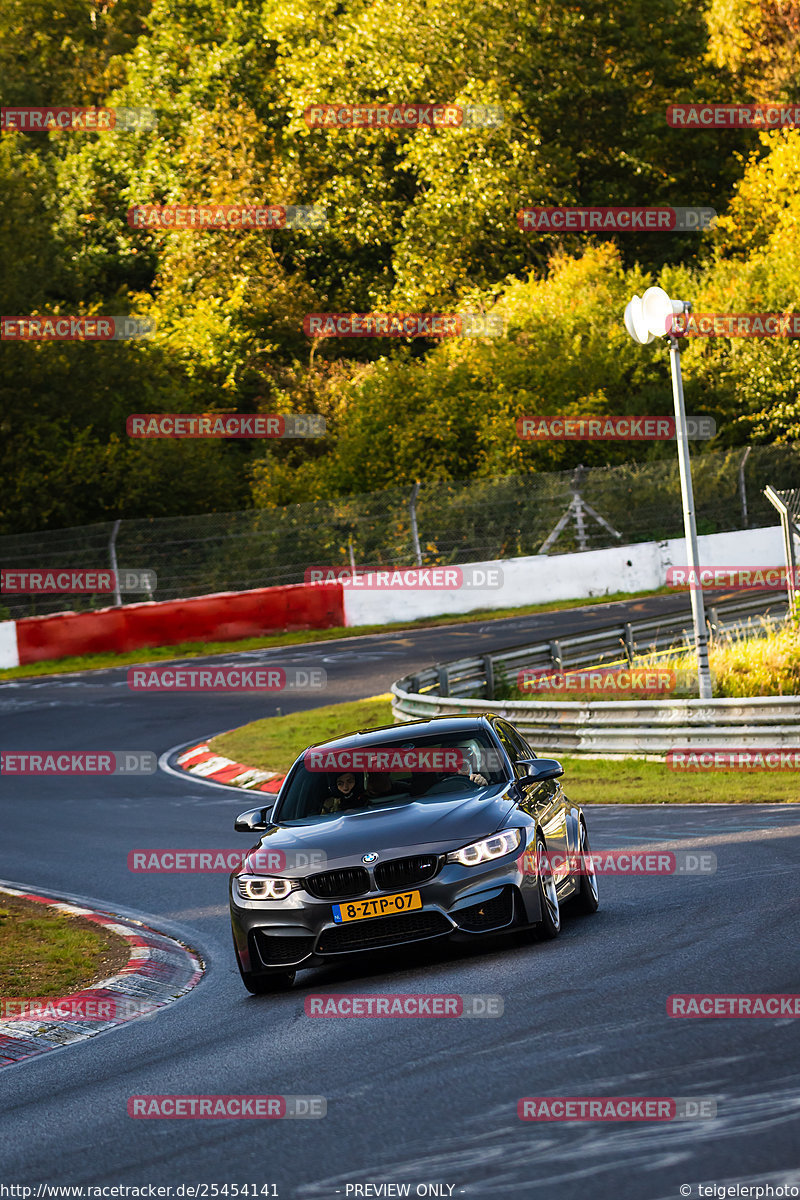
646, 318
658, 311
635, 322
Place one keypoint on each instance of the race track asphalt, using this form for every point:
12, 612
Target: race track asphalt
410, 1101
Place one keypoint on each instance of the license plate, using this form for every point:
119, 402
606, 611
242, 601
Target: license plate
380, 906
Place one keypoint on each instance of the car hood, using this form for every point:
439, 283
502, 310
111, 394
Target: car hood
411, 828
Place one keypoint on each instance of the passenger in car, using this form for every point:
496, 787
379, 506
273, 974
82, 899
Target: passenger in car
344, 794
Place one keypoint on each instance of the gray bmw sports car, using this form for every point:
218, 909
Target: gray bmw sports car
446, 828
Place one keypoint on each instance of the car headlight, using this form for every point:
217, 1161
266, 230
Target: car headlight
263, 887
484, 851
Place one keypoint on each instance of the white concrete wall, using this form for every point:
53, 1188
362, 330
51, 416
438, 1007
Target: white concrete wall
9, 655
542, 578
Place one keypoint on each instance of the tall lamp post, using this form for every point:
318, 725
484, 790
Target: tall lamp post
646, 318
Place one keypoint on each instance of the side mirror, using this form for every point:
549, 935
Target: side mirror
255, 820
540, 769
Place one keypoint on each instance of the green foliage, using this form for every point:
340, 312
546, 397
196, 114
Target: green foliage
418, 220
759, 42
66, 53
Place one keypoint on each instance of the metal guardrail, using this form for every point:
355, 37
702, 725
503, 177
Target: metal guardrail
617, 643
612, 726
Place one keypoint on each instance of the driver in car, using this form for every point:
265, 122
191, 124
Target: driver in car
469, 767
475, 776
378, 785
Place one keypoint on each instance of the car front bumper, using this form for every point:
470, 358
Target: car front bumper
459, 903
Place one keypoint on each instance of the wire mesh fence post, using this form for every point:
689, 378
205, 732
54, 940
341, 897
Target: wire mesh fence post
412, 508
112, 554
742, 488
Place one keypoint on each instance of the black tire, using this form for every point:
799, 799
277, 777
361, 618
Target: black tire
263, 985
586, 899
550, 924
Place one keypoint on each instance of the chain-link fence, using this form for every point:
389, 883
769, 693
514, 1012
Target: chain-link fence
481, 519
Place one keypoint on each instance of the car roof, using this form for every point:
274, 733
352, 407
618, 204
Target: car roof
389, 734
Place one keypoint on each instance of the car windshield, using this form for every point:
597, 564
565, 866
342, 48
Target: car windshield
330, 782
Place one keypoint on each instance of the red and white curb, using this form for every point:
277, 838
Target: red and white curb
201, 760
160, 970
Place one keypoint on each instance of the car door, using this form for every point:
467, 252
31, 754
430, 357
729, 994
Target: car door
544, 801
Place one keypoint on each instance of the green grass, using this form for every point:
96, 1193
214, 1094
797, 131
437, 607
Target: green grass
47, 953
639, 781
274, 742
99, 662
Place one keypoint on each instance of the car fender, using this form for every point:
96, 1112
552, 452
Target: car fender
529, 884
574, 829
